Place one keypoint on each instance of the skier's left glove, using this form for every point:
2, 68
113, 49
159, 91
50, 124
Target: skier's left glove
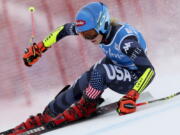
33, 53
127, 103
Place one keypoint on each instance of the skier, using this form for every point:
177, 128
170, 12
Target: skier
125, 69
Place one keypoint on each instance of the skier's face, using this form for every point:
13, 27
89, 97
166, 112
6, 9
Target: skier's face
92, 35
97, 40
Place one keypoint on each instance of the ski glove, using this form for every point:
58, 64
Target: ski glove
127, 104
33, 53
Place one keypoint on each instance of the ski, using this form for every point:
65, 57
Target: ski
50, 127
100, 111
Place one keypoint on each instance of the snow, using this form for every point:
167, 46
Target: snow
156, 118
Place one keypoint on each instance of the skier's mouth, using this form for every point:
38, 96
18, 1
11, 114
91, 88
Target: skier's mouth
94, 41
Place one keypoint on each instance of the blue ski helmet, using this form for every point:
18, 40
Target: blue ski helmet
93, 16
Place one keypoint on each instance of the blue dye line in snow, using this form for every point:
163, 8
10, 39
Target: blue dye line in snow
132, 120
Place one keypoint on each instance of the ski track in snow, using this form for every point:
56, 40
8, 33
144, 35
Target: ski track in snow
130, 120
156, 118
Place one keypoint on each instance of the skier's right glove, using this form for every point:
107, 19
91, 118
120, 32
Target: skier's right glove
33, 53
127, 103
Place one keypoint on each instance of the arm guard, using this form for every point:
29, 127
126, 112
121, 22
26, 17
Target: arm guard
59, 33
144, 80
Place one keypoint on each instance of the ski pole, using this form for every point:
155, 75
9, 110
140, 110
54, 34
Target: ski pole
160, 99
32, 10
31, 41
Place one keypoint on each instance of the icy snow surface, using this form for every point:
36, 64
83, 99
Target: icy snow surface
157, 118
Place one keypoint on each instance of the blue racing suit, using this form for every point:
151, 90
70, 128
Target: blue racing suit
124, 67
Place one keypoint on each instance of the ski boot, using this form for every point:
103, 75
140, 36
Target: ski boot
33, 122
81, 109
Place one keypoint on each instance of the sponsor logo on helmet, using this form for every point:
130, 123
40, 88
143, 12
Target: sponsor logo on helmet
80, 22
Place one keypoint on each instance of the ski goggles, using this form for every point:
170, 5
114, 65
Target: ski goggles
90, 34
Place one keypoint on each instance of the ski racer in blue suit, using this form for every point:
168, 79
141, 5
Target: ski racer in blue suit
125, 68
